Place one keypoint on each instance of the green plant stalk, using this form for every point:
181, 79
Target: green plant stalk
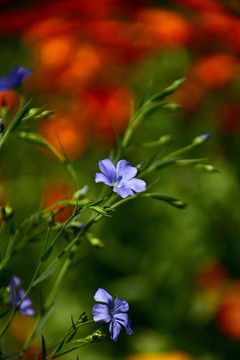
50, 299
7, 132
181, 151
47, 305
61, 342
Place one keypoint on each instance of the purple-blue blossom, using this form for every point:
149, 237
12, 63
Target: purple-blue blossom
121, 177
16, 294
14, 78
114, 313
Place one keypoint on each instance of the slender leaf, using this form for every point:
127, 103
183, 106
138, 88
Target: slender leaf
18, 118
147, 93
169, 90
44, 353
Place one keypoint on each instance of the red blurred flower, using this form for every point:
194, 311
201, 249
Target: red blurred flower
189, 95
106, 108
166, 28
54, 191
200, 5
212, 276
10, 99
215, 70
229, 116
228, 317
21, 326
66, 132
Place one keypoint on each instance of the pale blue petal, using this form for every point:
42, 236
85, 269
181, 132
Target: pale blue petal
136, 185
108, 169
102, 295
102, 178
123, 319
29, 312
14, 282
120, 306
123, 192
21, 293
100, 313
26, 303
125, 171
114, 329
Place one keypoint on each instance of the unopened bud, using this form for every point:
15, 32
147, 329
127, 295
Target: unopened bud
7, 212
80, 193
33, 112
200, 139
164, 139
98, 335
170, 106
47, 113
208, 168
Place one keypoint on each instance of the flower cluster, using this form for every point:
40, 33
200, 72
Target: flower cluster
114, 313
16, 295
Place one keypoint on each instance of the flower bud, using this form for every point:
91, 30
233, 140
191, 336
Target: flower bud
200, 139
7, 212
80, 193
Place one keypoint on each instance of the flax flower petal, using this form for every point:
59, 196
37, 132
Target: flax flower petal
125, 170
28, 311
103, 296
100, 313
123, 192
108, 169
120, 306
136, 185
123, 319
114, 329
99, 177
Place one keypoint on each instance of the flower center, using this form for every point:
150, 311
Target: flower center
117, 183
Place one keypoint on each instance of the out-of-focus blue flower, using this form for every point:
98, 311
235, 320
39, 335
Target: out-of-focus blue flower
14, 78
120, 177
16, 294
111, 312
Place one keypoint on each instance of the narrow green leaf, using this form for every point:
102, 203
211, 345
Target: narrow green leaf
97, 202
147, 93
169, 90
99, 210
44, 353
47, 254
168, 199
34, 138
73, 325
18, 118
164, 162
46, 273
42, 321
191, 161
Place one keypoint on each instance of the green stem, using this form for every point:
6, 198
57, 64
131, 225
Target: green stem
181, 151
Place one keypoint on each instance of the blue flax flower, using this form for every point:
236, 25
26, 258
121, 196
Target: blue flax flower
16, 294
120, 177
111, 312
14, 78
